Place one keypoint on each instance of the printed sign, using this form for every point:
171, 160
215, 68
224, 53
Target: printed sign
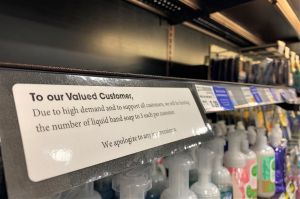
65, 128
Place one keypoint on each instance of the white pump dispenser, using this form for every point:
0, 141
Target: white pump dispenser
218, 130
276, 135
220, 175
235, 161
222, 125
231, 129
133, 184
204, 189
251, 135
179, 166
265, 164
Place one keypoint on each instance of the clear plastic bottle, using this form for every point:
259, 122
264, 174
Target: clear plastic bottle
179, 166
220, 175
251, 163
133, 184
204, 188
265, 165
235, 162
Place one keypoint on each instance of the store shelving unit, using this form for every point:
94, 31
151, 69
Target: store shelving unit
219, 95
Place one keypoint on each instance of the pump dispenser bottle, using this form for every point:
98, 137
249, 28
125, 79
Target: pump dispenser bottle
220, 175
251, 164
235, 162
179, 166
222, 125
204, 189
280, 153
265, 165
251, 135
133, 184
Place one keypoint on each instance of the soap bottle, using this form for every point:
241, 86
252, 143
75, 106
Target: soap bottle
222, 125
220, 175
133, 184
280, 154
204, 188
235, 162
265, 165
158, 176
179, 166
251, 164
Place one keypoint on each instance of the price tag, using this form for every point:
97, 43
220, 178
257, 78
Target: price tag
223, 97
293, 94
263, 95
284, 95
276, 94
208, 98
269, 95
249, 96
255, 94
233, 100
65, 128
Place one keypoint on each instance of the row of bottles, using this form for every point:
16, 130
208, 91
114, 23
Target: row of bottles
237, 163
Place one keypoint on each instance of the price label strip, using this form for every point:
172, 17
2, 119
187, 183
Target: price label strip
208, 98
223, 97
249, 96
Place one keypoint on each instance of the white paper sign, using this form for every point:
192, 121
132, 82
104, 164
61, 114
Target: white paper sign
248, 96
208, 98
65, 128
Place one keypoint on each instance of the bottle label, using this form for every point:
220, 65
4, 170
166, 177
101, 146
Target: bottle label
268, 174
239, 180
250, 192
251, 187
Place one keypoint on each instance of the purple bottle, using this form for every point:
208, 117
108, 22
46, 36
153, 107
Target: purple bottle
280, 154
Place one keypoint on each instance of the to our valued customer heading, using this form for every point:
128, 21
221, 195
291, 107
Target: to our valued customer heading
70, 96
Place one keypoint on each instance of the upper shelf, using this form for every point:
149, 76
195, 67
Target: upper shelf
230, 19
